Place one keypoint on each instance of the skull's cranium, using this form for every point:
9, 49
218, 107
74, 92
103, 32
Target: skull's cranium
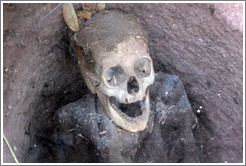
114, 60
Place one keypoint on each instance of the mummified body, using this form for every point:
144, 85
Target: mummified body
114, 60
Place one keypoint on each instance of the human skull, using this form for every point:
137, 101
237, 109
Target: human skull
114, 60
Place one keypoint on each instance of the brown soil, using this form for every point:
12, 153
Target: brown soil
191, 41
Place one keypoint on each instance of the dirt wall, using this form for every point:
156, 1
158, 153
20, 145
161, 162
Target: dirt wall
192, 41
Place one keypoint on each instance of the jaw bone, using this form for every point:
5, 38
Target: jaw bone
122, 120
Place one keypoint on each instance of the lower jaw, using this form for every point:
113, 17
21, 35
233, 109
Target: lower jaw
127, 123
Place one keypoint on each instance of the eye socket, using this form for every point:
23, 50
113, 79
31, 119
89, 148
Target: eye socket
114, 75
142, 67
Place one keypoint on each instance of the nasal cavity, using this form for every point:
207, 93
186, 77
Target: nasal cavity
132, 85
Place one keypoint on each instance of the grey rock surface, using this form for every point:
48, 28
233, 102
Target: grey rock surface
168, 137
